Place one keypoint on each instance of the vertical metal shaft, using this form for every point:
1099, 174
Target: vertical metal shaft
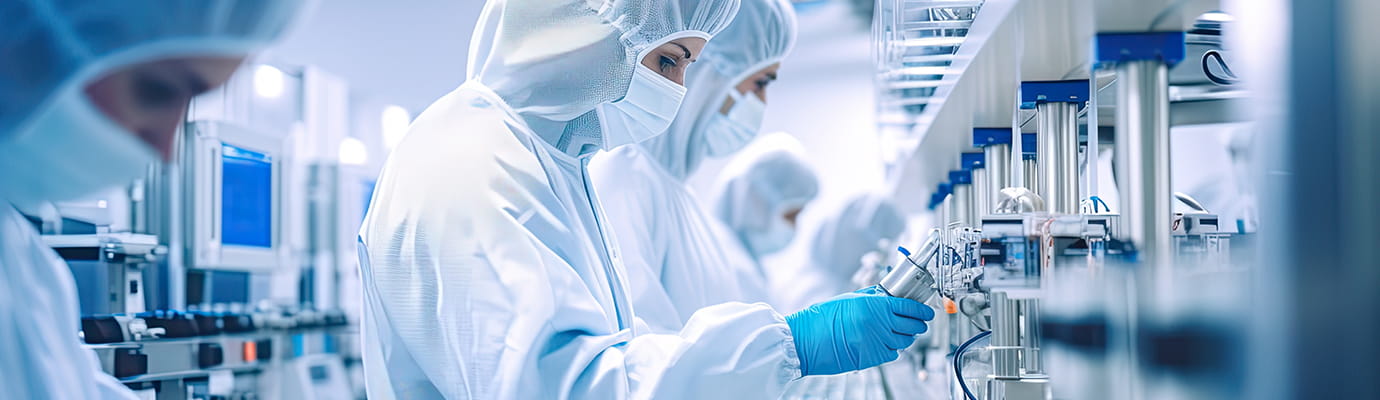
1142, 157
961, 202
1030, 339
982, 194
1031, 168
1057, 141
998, 159
1006, 347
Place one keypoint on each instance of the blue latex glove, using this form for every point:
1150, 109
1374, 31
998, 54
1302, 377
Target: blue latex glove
855, 331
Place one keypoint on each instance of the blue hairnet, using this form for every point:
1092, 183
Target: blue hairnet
49, 45
761, 35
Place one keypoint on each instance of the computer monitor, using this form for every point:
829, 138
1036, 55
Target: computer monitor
235, 200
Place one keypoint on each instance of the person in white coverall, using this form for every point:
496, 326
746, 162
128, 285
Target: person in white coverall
762, 192
689, 259
488, 269
91, 94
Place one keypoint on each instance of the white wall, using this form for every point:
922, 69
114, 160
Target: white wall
404, 52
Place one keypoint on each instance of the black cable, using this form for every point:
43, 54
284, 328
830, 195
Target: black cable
1229, 79
958, 364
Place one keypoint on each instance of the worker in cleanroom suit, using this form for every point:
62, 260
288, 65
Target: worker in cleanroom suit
489, 272
91, 95
762, 192
839, 243
689, 259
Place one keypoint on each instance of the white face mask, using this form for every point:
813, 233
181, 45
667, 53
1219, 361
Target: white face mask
69, 151
646, 111
729, 133
775, 238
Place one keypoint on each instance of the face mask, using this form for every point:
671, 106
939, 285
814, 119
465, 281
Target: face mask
69, 151
729, 133
777, 236
646, 111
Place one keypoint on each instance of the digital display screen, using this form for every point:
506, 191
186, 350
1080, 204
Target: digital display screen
246, 197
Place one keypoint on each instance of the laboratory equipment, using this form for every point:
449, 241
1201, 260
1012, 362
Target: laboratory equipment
235, 197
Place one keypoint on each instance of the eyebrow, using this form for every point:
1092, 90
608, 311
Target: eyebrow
683, 48
771, 76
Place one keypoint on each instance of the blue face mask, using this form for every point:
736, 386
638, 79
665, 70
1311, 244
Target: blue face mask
69, 151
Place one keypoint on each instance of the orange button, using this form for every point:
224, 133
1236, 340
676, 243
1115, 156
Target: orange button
950, 307
251, 351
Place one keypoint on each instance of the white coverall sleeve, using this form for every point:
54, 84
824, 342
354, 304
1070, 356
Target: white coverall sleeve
43, 357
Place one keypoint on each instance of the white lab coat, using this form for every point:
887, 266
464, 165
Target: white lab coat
488, 274
670, 242
43, 356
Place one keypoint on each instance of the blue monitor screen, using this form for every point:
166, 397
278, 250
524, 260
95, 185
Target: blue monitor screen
246, 198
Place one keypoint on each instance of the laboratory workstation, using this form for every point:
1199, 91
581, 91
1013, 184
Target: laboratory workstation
689, 199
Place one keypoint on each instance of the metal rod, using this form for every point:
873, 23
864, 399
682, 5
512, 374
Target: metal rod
1031, 168
1057, 143
998, 159
982, 194
1030, 340
961, 202
1006, 347
1142, 158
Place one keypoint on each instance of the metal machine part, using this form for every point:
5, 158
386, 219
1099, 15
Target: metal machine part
1058, 152
982, 193
998, 160
1006, 346
1018, 200
912, 280
1142, 156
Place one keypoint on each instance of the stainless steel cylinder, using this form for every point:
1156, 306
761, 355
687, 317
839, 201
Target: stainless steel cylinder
982, 194
1142, 158
961, 202
911, 279
998, 160
1031, 169
1057, 150
1030, 337
1006, 346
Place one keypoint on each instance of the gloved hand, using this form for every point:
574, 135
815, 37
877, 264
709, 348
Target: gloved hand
855, 331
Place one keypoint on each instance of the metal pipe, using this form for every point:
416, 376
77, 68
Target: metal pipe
1031, 168
1030, 340
998, 159
982, 194
961, 202
1006, 347
1057, 143
1142, 158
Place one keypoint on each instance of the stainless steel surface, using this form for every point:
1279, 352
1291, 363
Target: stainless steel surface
1006, 346
998, 160
961, 202
912, 280
1030, 337
1142, 158
1190, 202
983, 195
1031, 170
1018, 200
1057, 143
